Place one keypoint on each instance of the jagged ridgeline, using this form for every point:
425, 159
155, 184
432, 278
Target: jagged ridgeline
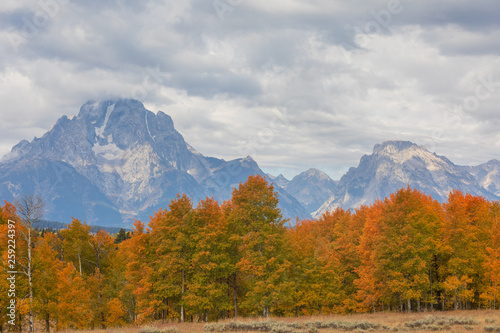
117, 161
395, 164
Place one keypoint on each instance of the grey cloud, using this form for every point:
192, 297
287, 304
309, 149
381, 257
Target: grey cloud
16, 19
221, 78
209, 85
468, 14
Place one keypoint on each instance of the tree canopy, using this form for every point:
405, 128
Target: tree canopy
215, 260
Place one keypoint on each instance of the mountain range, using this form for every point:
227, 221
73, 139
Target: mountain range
397, 164
116, 161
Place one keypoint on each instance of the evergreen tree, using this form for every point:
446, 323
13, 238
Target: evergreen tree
121, 236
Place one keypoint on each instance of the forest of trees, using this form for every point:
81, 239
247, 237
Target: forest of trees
240, 258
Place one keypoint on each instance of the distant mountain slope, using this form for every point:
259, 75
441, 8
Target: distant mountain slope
311, 188
229, 174
66, 192
280, 180
488, 175
396, 164
117, 161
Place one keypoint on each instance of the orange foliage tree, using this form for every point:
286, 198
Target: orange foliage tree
74, 303
46, 270
207, 291
264, 258
491, 291
136, 253
466, 233
404, 253
406, 233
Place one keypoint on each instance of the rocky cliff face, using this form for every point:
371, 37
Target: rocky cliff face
117, 161
396, 164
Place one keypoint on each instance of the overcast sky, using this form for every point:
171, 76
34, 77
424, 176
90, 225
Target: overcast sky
295, 84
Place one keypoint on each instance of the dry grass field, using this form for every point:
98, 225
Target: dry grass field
456, 321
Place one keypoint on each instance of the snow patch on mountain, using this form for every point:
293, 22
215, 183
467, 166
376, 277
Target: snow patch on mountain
99, 131
108, 152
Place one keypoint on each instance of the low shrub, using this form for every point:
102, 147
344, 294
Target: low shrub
171, 330
148, 329
433, 322
462, 321
344, 325
259, 326
282, 329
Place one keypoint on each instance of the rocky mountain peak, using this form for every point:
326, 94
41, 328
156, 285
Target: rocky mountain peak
397, 164
493, 164
393, 145
488, 175
281, 181
398, 149
311, 188
117, 161
95, 111
400, 152
315, 173
125, 123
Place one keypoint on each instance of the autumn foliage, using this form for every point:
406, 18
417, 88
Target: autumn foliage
242, 258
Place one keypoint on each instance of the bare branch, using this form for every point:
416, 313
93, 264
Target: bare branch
30, 208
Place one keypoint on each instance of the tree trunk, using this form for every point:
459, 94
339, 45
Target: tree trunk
47, 323
182, 297
30, 208
266, 311
235, 291
30, 280
430, 288
80, 263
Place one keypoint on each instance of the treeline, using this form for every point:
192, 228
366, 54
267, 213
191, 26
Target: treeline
241, 258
